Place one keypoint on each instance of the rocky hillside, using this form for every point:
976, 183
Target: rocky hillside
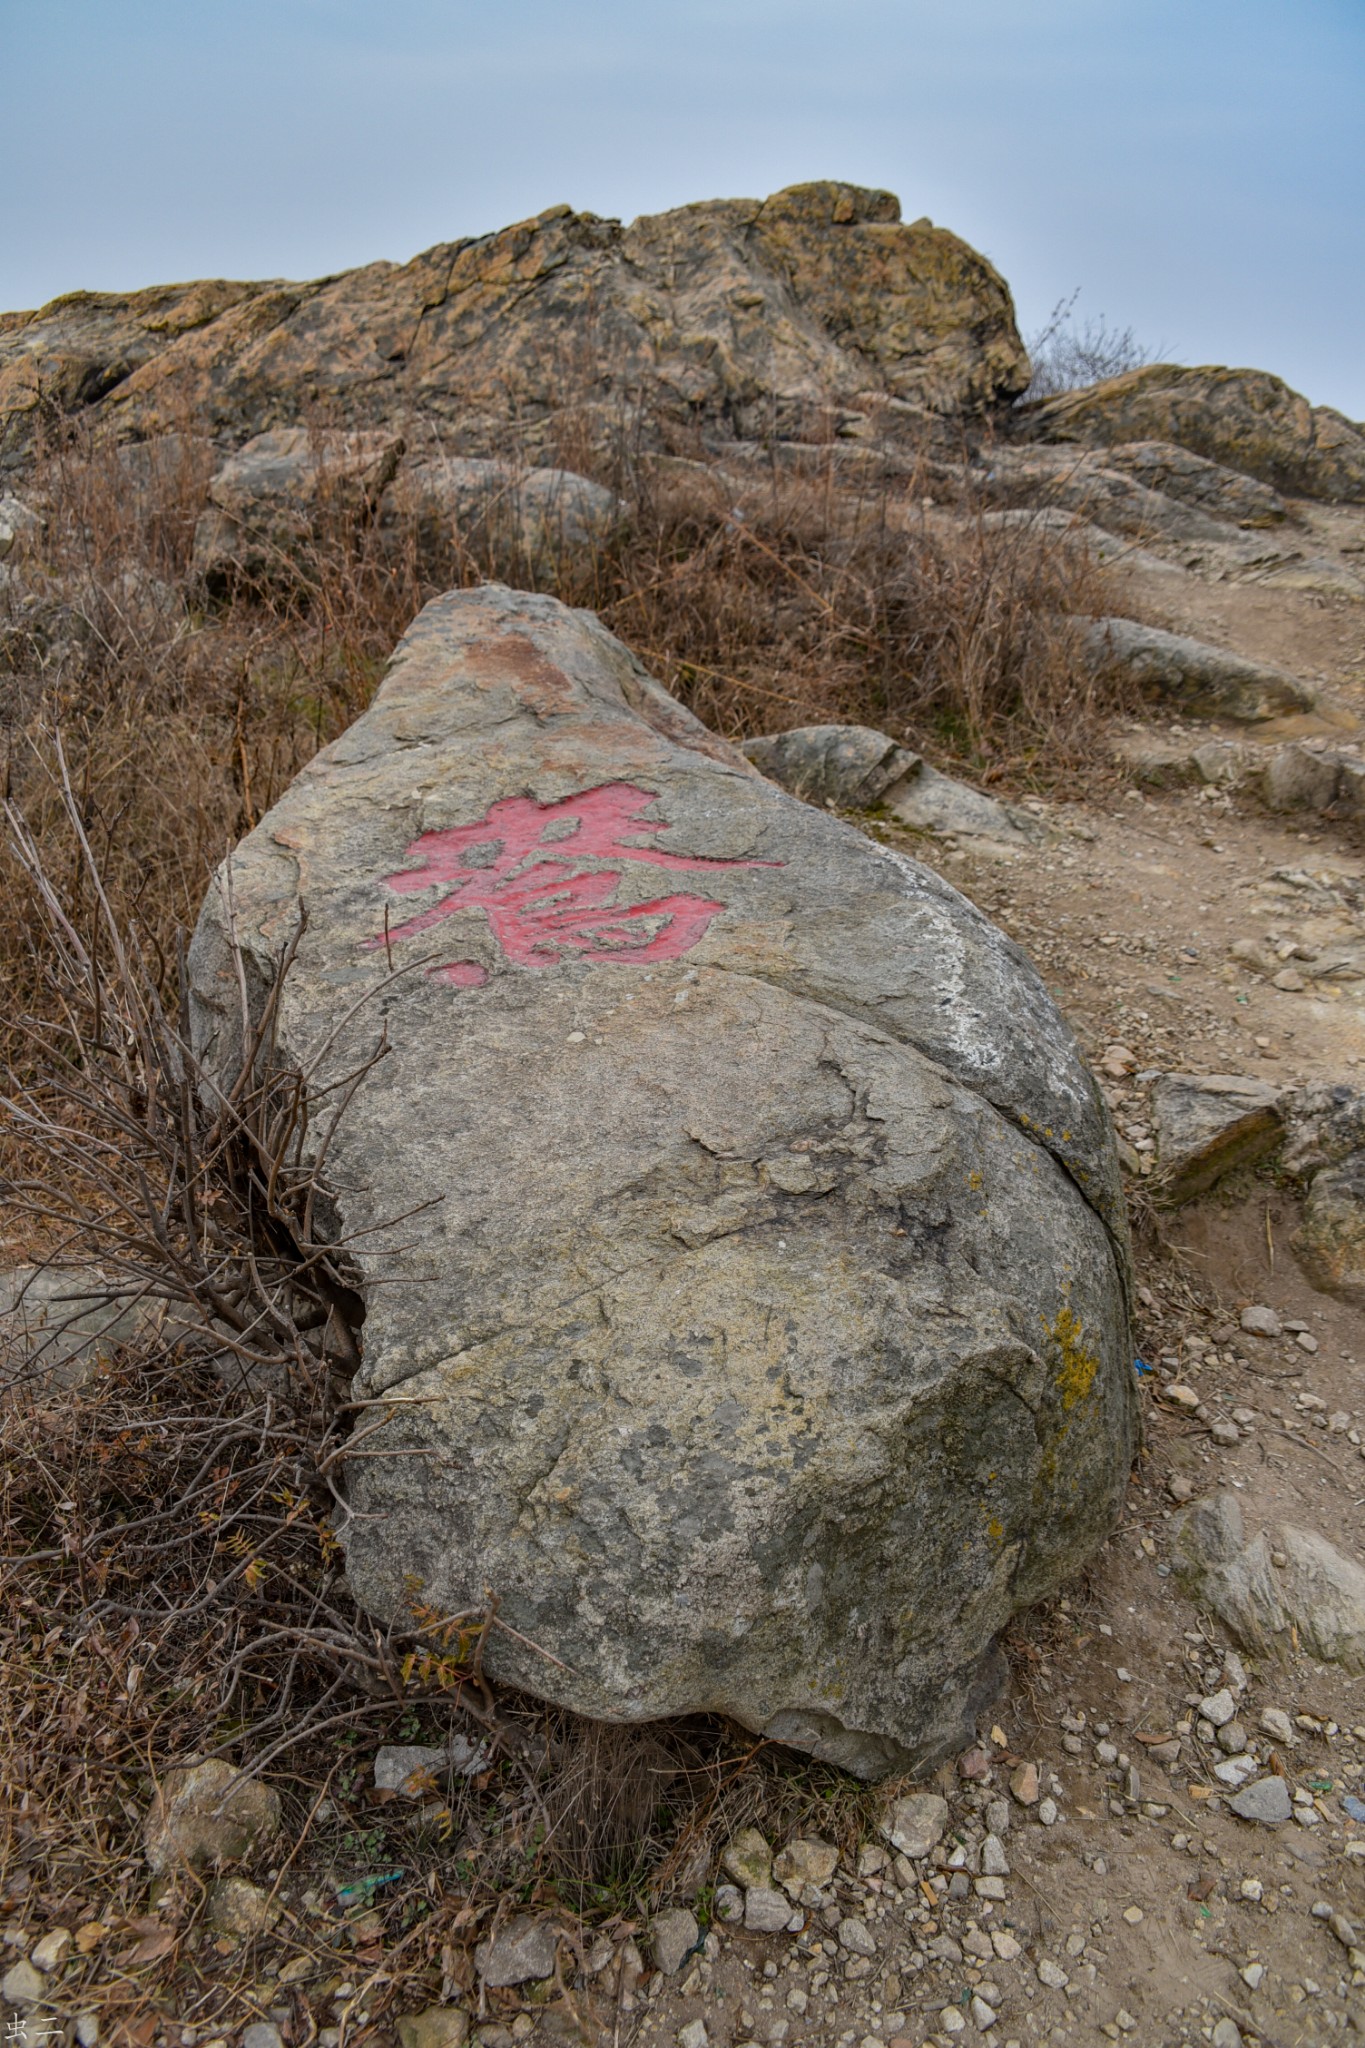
813, 308
818, 907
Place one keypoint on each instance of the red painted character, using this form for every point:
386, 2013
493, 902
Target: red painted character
542, 903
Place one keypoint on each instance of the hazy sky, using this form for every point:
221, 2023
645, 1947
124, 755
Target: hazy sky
1196, 167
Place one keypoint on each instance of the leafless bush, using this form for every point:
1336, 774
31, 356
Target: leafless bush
1066, 356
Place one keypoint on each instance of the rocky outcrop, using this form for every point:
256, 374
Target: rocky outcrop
1107, 493
816, 306
1193, 676
757, 1319
1246, 420
1211, 487
851, 767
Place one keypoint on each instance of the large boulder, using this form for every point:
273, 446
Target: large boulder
757, 1316
747, 316
1245, 419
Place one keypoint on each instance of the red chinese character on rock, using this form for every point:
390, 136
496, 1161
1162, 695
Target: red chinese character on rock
543, 903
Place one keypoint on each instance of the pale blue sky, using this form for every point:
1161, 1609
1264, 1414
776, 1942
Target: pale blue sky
1197, 167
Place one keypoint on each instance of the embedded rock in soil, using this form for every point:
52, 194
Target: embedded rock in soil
758, 1311
282, 493
58, 1325
542, 519
1246, 419
1267, 1801
522, 1952
673, 1937
1325, 779
1208, 1124
1315, 1595
753, 317
851, 767
916, 1824
236, 1906
207, 1815
440, 2026
1330, 1241
1325, 1124
1205, 681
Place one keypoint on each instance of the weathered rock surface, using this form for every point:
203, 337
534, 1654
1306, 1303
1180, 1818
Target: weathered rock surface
1168, 764
520, 1953
1204, 680
1226, 494
16, 520
1325, 1123
1329, 780
1086, 483
1246, 420
207, 1815
673, 1936
415, 1769
1208, 1124
1073, 529
58, 1325
1330, 1241
1316, 1592
855, 768
753, 316
236, 1906
268, 501
761, 1323
916, 1823
541, 515
440, 2026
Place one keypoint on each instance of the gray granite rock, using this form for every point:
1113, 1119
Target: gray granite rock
1209, 1124
1266, 1800
853, 767
1207, 681
1316, 1595
269, 501
522, 1952
759, 1311
544, 520
673, 1936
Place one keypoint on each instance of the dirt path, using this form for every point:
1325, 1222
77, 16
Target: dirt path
1135, 1904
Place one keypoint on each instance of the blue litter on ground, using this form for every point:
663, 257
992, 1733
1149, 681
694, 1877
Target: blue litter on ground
363, 1886
1140, 1366
1354, 1807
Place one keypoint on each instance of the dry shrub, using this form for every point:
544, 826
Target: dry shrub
796, 599
169, 1582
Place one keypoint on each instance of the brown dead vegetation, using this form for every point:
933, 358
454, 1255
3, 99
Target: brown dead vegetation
170, 1585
